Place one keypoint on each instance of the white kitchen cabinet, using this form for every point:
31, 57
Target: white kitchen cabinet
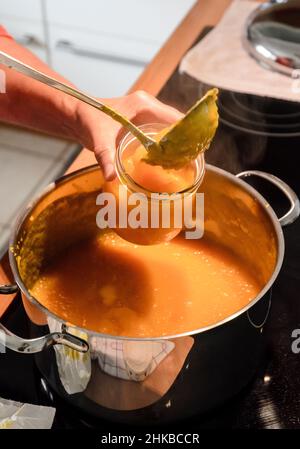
104, 66
29, 33
22, 9
146, 20
102, 79
24, 20
102, 46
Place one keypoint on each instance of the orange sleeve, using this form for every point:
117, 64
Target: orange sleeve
4, 33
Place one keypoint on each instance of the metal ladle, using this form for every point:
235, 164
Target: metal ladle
25, 69
179, 145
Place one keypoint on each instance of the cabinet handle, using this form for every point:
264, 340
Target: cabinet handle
29, 39
72, 48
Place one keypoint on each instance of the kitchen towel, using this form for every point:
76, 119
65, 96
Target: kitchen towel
129, 359
220, 59
15, 415
74, 368
125, 359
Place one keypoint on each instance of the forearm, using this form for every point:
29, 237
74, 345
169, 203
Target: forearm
31, 104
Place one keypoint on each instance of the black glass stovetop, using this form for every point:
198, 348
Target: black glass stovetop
254, 133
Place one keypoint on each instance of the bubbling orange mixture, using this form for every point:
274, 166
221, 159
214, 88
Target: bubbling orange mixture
111, 286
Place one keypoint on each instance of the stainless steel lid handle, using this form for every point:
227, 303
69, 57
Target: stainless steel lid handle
34, 345
294, 211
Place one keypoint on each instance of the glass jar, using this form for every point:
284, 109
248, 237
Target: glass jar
150, 200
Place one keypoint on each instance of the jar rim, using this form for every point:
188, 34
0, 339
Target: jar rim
131, 184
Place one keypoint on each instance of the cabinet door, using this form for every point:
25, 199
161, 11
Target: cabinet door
21, 9
99, 78
101, 65
146, 20
29, 33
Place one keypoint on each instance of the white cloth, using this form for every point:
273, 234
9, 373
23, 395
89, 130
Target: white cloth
126, 359
129, 359
220, 59
15, 415
74, 367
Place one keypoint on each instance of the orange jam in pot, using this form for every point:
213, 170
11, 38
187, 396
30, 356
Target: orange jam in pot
145, 182
112, 286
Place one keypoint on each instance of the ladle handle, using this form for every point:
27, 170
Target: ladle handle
25, 69
294, 211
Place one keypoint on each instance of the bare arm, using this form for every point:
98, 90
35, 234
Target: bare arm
31, 104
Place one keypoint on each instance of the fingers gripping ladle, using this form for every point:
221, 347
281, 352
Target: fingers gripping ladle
180, 144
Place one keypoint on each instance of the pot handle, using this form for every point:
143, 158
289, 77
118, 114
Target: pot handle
34, 345
294, 211
9, 289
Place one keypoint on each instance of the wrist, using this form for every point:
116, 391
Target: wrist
84, 124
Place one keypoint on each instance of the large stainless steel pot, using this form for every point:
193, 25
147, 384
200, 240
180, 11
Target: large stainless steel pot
148, 380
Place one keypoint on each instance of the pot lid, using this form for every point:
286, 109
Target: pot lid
272, 36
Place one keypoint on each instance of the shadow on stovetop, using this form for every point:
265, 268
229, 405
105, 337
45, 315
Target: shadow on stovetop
257, 406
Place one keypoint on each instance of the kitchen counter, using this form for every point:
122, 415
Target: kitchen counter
272, 399
29, 161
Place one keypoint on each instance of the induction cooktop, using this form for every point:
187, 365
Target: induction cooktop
254, 133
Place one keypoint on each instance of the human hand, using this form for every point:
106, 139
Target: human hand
101, 134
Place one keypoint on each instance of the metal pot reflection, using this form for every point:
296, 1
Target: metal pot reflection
140, 380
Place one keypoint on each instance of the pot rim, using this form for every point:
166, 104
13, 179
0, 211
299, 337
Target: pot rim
27, 210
